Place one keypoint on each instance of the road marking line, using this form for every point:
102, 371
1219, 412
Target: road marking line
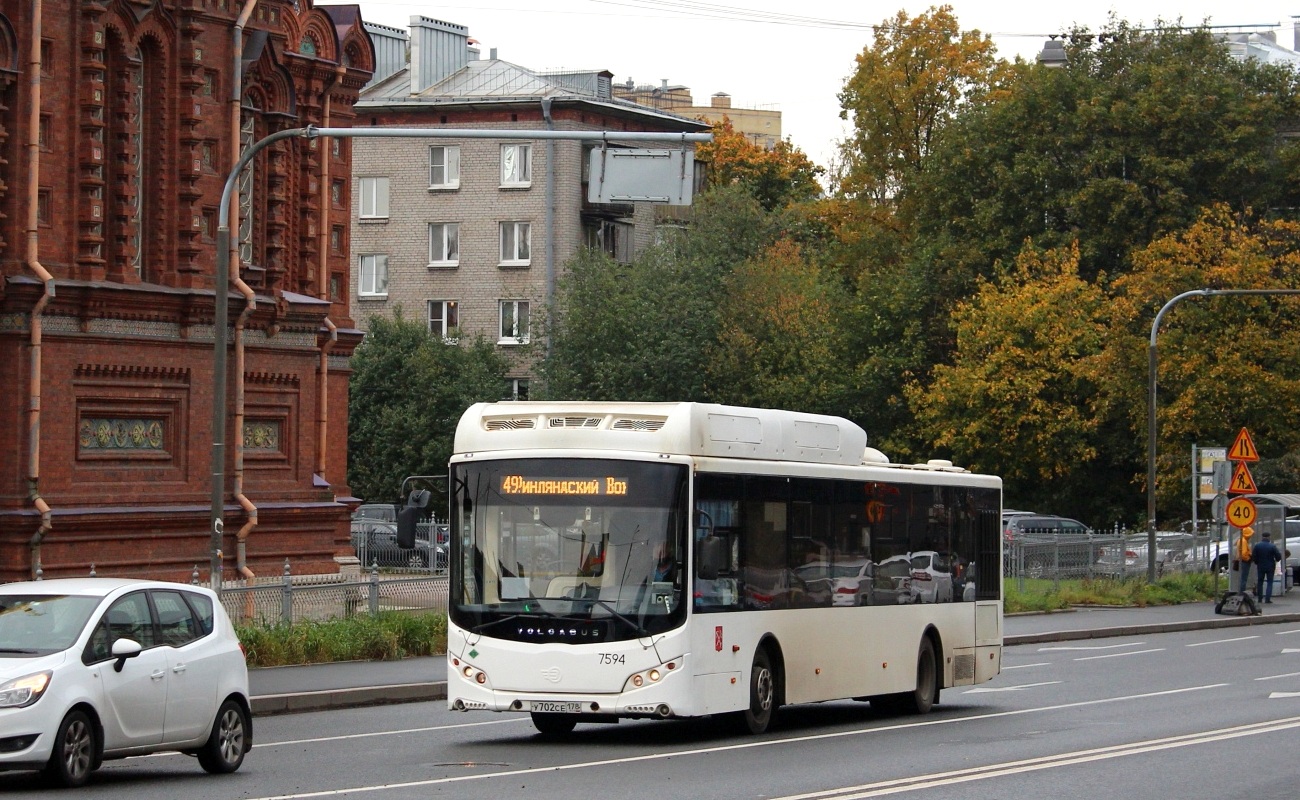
983, 689
1275, 695
920, 782
1094, 647
1275, 677
1027, 666
1222, 641
1119, 655
745, 746
341, 737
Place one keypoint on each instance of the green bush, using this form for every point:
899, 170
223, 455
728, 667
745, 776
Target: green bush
388, 636
1047, 595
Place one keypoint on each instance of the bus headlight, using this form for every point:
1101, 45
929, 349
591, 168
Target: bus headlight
651, 676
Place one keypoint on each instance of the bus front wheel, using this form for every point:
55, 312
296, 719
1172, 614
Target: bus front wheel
762, 694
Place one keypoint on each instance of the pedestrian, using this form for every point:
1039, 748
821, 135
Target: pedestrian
1243, 556
1265, 557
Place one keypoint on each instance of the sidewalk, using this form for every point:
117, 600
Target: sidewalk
279, 690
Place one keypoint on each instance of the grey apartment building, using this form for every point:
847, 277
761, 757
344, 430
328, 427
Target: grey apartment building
471, 233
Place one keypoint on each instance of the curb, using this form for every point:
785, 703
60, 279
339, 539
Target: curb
293, 703
1142, 630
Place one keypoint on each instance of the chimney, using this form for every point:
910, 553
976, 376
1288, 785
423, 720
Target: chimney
437, 50
720, 100
492, 54
664, 84
1295, 32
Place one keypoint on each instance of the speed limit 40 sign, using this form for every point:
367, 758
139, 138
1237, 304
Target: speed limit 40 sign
1241, 512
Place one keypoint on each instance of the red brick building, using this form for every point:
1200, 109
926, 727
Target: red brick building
119, 122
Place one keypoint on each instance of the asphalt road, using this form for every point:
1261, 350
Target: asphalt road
1149, 715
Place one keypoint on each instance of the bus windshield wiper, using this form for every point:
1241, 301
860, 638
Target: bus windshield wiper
532, 612
640, 631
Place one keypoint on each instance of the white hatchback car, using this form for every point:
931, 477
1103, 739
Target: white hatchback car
104, 668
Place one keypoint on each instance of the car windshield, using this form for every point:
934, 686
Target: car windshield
38, 624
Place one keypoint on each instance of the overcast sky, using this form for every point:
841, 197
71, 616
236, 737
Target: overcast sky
790, 56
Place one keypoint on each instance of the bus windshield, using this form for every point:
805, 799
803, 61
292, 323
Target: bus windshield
568, 549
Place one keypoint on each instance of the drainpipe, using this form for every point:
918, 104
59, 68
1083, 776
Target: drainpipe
33, 251
250, 304
322, 284
550, 221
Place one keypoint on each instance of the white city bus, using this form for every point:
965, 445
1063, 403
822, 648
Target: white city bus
669, 560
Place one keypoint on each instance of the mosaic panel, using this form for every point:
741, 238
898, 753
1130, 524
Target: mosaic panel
262, 436
118, 433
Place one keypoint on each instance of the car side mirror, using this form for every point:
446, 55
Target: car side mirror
124, 649
713, 557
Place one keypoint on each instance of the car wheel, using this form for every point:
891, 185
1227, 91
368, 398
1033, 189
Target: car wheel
554, 724
73, 758
228, 742
762, 694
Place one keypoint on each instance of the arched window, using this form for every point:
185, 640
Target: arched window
248, 180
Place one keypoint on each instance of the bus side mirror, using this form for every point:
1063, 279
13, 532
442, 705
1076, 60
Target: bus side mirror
713, 557
407, 519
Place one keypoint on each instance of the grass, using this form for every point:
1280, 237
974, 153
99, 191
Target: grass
1047, 595
386, 637
394, 635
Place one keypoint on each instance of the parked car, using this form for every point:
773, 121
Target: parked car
931, 577
376, 543
93, 669
379, 512
1173, 551
1044, 542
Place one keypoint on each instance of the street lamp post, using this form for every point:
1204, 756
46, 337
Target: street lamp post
221, 310
1151, 408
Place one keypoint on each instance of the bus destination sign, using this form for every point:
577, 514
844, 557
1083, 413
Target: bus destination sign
519, 484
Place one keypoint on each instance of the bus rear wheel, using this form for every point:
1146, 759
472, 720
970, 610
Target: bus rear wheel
762, 694
554, 724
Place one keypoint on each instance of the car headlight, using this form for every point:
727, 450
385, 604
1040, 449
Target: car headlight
24, 691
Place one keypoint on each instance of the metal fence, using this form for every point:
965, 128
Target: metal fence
1114, 555
297, 598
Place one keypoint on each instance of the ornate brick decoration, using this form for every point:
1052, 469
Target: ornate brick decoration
109, 364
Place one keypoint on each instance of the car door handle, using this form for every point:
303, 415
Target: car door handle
178, 669
159, 675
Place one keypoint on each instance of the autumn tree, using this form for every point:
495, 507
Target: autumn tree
1224, 362
408, 390
776, 177
907, 85
1019, 397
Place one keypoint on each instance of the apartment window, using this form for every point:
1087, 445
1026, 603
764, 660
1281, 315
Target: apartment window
336, 239
613, 239
444, 167
516, 164
336, 193
515, 244
374, 276
444, 244
44, 201
514, 322
516, 389
374, 198
444, 320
